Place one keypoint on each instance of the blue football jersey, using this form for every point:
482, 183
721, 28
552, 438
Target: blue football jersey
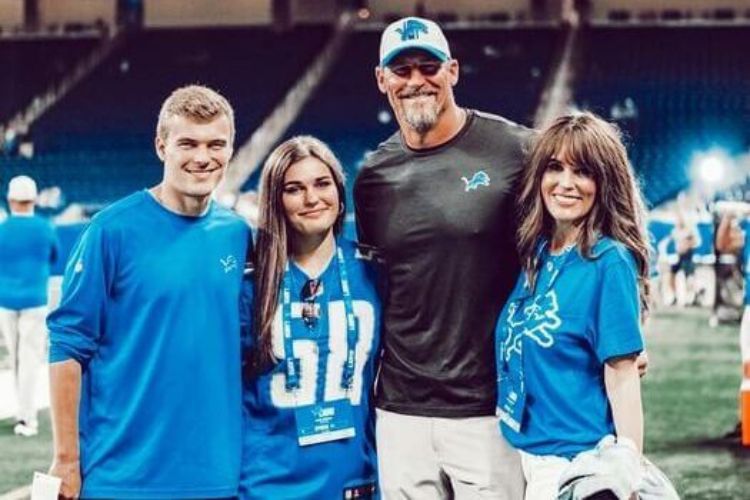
274, 465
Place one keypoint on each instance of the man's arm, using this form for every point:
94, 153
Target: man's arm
360, 201
65, 391
624, 393
75, 328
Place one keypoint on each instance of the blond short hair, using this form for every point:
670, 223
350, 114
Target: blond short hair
196, 102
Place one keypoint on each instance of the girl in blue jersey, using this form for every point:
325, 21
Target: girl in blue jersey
568, 337
312, 338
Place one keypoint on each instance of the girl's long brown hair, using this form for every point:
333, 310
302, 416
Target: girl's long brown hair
618, 210
271, 250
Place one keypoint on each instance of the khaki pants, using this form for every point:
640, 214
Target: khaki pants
443, 458
25, 335
542, 473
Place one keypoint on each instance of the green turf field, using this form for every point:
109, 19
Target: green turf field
690, 398
4, 360
20, 457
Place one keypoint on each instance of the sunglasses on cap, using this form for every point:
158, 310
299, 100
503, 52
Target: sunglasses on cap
427, 68
310, 310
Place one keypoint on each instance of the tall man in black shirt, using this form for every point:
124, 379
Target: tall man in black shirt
437, 198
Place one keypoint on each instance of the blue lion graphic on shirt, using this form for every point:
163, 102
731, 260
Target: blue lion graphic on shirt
478, 179
539, 320
411, 30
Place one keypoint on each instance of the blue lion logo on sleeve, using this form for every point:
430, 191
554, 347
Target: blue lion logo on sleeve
478, 179
411, 30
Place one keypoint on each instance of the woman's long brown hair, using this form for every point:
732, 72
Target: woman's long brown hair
618, 210
272, 246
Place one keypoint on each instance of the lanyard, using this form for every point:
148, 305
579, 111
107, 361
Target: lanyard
548, 260
292, 365
553, 265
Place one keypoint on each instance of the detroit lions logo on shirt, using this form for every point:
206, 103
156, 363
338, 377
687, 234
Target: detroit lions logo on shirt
411, 30
229, 262
478, 179
538, 321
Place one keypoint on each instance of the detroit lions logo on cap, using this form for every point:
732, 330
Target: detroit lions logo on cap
478, 179
413, 33
411, 29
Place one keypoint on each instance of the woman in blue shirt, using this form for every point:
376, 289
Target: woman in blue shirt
568, 337
311, 338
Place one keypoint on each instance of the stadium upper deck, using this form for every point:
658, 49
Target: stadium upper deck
673, 90
687, 93
30, 65
96, 143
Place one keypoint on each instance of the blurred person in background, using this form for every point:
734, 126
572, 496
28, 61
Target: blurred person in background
733, 236
145, 368
28, 248
686, 239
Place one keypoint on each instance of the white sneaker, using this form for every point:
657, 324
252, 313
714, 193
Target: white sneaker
25, 430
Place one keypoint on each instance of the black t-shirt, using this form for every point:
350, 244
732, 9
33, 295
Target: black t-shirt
444, 219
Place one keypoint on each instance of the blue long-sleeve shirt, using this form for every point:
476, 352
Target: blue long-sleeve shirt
150, 311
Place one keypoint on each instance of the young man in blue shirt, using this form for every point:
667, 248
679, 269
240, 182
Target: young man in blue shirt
145, 347
28, 248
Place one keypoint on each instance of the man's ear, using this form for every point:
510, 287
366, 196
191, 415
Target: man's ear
453, 70
159, 146
380, 78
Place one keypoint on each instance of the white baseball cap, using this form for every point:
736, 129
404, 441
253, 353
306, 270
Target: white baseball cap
413, 33
22, 188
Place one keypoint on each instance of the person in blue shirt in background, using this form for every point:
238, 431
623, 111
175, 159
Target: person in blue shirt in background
312, 338
733, 236
568, 337
28, 248
145, 355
